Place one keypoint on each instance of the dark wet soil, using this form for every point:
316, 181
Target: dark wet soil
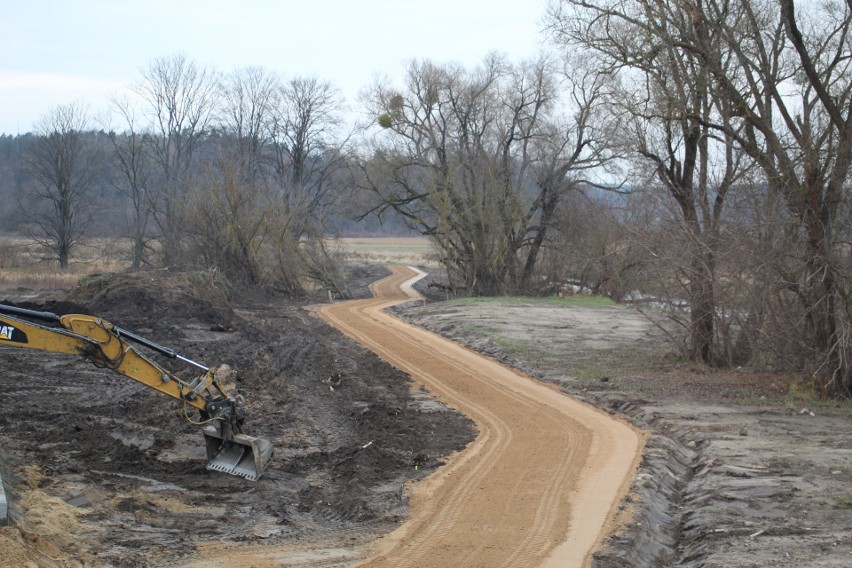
346, 429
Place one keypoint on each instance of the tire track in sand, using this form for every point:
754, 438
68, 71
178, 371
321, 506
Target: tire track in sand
540, 483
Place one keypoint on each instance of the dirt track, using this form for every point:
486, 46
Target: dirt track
539, 485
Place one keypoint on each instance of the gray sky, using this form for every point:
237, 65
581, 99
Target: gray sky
57, 51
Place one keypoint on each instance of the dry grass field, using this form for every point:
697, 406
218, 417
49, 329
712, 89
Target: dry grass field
387, 250
24, 266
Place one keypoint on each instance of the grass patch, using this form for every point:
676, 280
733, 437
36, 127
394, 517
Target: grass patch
843, 502
478, 330
583, 300
586, 373
799, 392
520, 349
535, 355
748, 397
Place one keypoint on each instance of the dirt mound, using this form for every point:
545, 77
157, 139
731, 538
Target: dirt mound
144, 299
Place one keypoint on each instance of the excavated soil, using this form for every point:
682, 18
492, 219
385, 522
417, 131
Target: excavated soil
101, 471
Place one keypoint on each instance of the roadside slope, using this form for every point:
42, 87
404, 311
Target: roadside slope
539, 484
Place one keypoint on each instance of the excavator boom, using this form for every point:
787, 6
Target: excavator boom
107, 345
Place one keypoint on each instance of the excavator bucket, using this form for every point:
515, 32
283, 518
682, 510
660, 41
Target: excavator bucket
239, 454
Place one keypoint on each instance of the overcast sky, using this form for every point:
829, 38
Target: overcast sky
56, 51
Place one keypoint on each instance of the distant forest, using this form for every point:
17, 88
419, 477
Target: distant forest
114, 208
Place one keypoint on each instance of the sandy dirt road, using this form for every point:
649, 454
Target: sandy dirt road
540, 484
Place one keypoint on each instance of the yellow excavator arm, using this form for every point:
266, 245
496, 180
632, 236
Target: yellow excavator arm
107, 345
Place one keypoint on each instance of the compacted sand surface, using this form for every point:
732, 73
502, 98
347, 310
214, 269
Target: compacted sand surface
539, 484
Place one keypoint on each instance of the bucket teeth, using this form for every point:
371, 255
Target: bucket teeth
244, 456
232, 459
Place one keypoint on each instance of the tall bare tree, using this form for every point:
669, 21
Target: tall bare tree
564, 150
231, 222
64, 165
250, 100
273, 179
477, 161
309, 148
665, 102
180, 95
133, 164
792, 89
232, 201
783, 78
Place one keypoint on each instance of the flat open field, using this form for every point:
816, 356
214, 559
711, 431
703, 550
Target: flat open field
390, 250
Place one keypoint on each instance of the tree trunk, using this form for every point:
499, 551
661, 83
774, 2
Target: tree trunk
703, 308
172, 234
547, 212
138, 249
819, 298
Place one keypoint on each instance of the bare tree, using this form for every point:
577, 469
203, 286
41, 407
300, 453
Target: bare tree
792, 89
564, 150
248, 109
133, 165
230, 222
665, 109
595, 246
309, 150
308, 174
477, 161
62, 162
232, 203
275, 178
180, 96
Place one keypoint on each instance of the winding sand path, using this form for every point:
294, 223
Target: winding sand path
538, 486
